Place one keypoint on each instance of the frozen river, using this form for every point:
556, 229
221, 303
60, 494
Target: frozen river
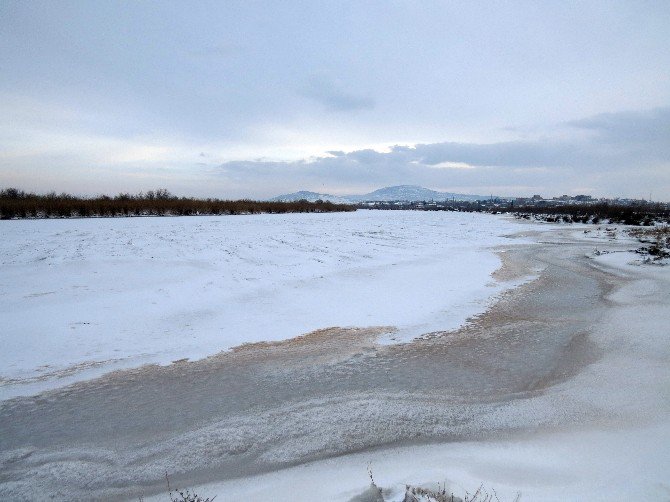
345, 343
85, 296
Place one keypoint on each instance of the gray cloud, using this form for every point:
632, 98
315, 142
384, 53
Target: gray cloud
584, 162
331, 93
625, 139
641, 126
630, 136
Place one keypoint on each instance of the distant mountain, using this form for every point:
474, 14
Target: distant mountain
400, 192
311, 197
412, 193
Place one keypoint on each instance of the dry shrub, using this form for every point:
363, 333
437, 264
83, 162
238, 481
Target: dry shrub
16, 203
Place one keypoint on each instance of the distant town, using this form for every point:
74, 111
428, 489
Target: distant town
417, 197
493, 202
563, 209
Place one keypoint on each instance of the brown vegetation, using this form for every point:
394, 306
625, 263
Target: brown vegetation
657, 240
643, 213
16, 203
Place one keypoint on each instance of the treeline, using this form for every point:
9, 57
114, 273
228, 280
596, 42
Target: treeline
641, 213
15, 203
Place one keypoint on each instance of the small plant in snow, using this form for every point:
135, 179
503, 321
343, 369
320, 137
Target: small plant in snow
658, 240
178, 495
419, 494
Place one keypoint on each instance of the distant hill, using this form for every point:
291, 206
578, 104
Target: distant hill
412, 193
311, 197
400, 192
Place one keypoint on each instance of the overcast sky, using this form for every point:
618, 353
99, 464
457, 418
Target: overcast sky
254, 99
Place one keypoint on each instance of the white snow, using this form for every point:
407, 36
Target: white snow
561, 467
83, 296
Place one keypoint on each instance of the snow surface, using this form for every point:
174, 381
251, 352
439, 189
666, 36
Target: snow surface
572, 466
84, 296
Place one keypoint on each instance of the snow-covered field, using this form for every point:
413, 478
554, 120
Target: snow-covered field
80, 297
